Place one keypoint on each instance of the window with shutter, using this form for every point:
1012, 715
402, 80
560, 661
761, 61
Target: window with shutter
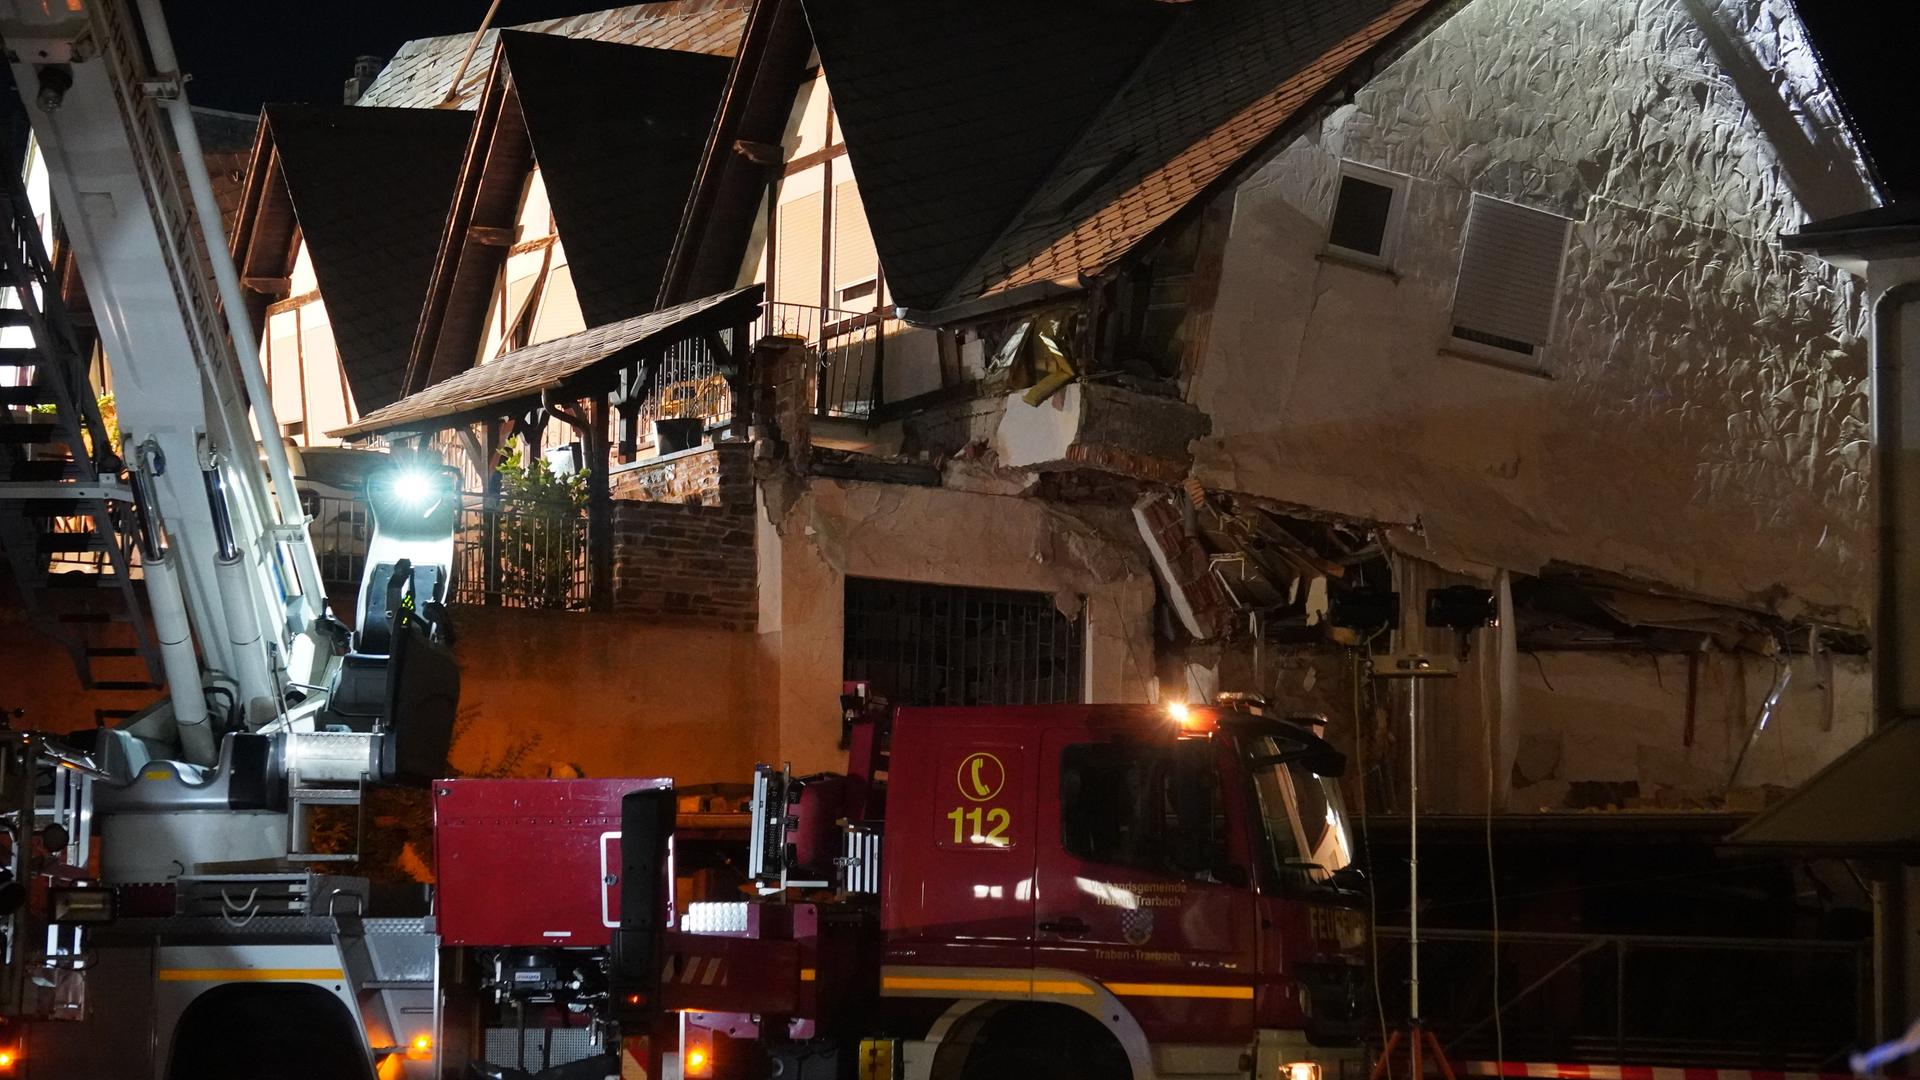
1509, 279
856, 267
796, 251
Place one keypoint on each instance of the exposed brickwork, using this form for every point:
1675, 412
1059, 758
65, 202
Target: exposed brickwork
696, 477
690, 561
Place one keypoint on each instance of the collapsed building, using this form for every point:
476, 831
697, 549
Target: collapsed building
1184, 360
798, 354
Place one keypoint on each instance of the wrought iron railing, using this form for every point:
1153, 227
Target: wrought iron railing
522, 557
692, 383
846, 345
340, 529
516, 557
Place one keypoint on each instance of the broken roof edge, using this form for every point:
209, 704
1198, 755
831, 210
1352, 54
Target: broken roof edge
1391, 47
466, 398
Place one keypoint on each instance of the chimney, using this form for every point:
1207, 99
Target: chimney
365, 70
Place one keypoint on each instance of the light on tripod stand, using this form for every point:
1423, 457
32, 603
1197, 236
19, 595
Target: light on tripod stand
1461, 607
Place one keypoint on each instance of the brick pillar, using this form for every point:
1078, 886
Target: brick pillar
791, 375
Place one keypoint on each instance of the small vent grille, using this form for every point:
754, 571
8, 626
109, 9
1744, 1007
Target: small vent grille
1509, 276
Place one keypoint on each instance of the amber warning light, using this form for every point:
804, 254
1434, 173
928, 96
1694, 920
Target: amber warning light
1190, 721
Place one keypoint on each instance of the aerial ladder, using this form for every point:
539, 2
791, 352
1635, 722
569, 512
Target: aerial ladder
162, 866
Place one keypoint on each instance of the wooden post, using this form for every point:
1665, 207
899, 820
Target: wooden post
490, 517
599, 507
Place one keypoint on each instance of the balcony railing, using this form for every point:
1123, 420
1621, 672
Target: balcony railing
847, 347
511, 557
339, 528
522, 558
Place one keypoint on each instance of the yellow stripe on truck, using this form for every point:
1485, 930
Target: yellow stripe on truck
249, 974
1061, 987
983, 986
1182, 990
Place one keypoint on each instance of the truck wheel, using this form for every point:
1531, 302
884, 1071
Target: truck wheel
1051, 1041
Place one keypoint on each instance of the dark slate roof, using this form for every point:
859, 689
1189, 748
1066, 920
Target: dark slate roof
617, 131
224, 132
1227, 78
561, 364
955, 109
419, 74
370, 189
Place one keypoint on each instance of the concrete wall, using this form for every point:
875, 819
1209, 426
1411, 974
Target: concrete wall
1705, 422
608, 695
813, 537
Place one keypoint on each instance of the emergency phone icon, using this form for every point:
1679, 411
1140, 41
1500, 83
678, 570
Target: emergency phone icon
981, 776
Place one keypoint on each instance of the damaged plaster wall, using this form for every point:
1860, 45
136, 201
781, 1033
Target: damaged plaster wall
831, 529
1705, 419
1610, 729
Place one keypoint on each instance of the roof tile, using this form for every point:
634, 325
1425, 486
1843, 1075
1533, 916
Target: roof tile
419, 74
1227, 76
524, 373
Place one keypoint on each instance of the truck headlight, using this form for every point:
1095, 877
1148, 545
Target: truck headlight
1300, 1070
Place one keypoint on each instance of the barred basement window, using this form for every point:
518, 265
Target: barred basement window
1365, 224
1503, 305
918, 644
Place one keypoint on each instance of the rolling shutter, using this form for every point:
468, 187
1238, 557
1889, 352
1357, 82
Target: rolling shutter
854, 259
796, 271
1509, 275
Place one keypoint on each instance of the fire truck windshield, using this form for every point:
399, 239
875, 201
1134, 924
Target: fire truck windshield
1305, 822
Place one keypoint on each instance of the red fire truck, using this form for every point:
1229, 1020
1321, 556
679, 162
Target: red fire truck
1063, 891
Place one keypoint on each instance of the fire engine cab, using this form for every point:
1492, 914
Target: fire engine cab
1065, 891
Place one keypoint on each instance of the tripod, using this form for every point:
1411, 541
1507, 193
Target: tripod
1419, 1043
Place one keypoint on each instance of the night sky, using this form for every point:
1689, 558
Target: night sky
303, 50
245, 53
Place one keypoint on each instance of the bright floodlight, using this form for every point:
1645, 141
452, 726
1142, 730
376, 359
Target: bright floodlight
413, 486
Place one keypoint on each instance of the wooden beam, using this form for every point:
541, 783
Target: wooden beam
269, 286
491, 235
599, 509
760, 153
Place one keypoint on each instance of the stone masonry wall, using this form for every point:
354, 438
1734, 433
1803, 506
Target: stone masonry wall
691, 561
696, 476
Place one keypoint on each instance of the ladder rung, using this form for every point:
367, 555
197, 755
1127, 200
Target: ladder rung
79, 579
92, 617
31, 394
101, 716
19, 357
39, 433
73, 507
12, 316
112, 650
53, 543
37, 471
122, 684
324, 796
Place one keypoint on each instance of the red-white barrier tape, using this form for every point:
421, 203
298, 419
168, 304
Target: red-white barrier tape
1549, 1070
